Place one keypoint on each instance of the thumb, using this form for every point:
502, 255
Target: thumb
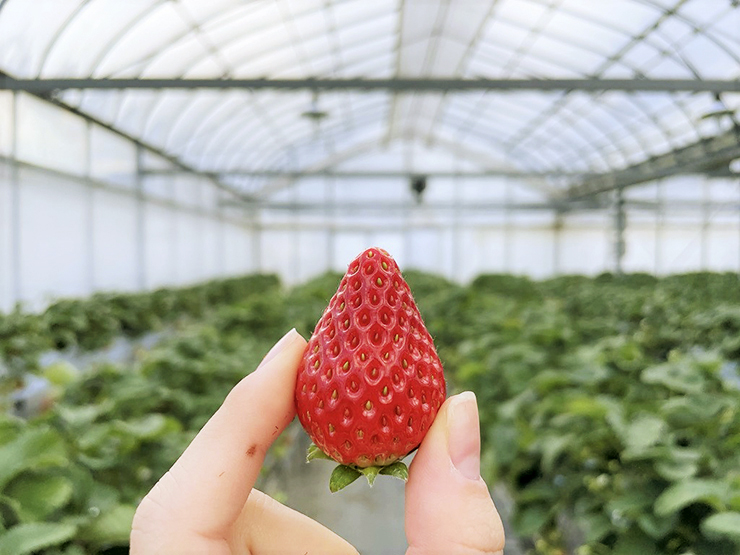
448, 507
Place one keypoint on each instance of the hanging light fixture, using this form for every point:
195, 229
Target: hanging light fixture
718, 110
314, 113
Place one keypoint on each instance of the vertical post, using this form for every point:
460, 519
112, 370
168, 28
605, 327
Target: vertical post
507, 227
220, 234
90, 213
140, 221
620, 224
705, 217
296, 250
15, 211
557, 239
331, 239
174, 236
405, 231
256, 241
659, 227
456, 271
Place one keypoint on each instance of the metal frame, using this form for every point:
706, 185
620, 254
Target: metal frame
710, 156
396, 84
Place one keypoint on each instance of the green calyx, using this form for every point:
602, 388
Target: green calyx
345, 474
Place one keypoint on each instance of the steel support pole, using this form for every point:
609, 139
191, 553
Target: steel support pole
620, 225
331, 240
557, 242
89, 212
705, 219
456, 270
507, 228
15, 212
393, 84
140, 237
659, 226
220, 237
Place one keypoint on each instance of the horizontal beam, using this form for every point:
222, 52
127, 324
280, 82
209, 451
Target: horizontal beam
367, 174
710, 156
386, 207
395, 84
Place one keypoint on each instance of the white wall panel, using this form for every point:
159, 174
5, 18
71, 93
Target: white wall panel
112, 157
238, 250
212, 248
50, 137
160, 250
425, 250
279, 254
313, 254
6, 258
6, 123
532, 252
190, 248
114, 241
723, 246
585, 248
640, 248
483, 251
53, 259
680, 249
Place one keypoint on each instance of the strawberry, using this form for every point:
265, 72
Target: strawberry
370, 382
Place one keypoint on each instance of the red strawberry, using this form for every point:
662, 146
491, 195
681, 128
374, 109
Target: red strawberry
370, 382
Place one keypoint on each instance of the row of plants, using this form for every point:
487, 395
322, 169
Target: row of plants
92, 323
70, 478
609, 408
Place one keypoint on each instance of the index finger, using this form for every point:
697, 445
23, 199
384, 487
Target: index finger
207, 487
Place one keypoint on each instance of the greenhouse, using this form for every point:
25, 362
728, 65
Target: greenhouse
182, 182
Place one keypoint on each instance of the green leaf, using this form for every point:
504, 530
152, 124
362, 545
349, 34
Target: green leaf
552, 447
676, 470
634, 542
643, 432
28, 538
370, 472
315, 453
39, 496
398, 470
657, 527
342, 476
150, 427
680, 376
722, 525
112, 527
594, 525
685, 493
529, 520
35, 448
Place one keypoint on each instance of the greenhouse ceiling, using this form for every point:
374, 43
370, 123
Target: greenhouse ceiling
576, 97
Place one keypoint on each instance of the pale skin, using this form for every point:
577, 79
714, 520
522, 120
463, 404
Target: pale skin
206, 502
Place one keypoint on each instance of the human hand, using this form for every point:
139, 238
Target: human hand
206, 502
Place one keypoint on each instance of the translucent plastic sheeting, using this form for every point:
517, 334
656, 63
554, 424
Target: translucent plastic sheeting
49, 137
6, 128
237, 130
7, 280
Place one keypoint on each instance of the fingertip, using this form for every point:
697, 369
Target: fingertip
283, 343
448, 506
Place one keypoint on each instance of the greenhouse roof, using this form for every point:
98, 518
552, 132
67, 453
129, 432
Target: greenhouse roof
259, 139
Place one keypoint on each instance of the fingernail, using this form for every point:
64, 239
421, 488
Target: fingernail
286, 340
463, 435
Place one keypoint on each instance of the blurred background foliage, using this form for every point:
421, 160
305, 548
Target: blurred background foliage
609, 405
